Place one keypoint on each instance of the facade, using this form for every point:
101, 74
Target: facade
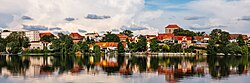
76, 37
201, 41
32, 35
170, 28
185, 41
36, 45
233, 37
92, 35
108, 45
122, 37
163, 37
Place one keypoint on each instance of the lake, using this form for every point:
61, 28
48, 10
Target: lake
124, 69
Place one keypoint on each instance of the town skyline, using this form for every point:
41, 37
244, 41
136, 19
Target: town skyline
139, 16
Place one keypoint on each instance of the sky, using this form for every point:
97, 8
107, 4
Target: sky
140, 16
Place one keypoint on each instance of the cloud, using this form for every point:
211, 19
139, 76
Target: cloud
64, 32
82, 31
55, 28
115, 30
194, 17
244, 18
35, 27
134, 27
26, 18
69, 19
205, 27
94, 16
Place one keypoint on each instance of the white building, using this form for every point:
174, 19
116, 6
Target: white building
32, 35
36, 45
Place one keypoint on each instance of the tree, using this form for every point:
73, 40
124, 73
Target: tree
182, 32
154, 45
128, 33
2, 46
84, 46
120, 48
111, 37
142, 44
165, 48
63, 45
244, 50
14, 47
200, 33
233, 48
176, 48
96, 49
240, 41
47, 38
25, 42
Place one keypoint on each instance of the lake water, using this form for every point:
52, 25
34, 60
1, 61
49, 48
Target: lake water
123, 69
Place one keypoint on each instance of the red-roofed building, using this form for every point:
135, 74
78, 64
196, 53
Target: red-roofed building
170, 28
233, 37
76, 37
149, 37
186, 41
108, 45
45, 33
162, 37
122, 37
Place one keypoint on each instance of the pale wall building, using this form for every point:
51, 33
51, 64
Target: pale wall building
170, 28
32, 35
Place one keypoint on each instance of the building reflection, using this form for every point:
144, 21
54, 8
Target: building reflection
173, 68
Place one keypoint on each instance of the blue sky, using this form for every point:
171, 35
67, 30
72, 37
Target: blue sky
141, 16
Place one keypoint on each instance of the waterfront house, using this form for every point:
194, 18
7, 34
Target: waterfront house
91, 35
32, 35
108, 46
233, 37
165, 37
123, 37
170, 28
185, 41
76, 37
200, 41
36, 45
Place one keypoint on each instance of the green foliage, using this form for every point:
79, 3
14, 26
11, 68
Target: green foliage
96, 49
128, 33
165, 48
244, 50
84, 46
241, 41
176, 48
111, 38
76, 47
232, 48
142, 44
120, 48
14, 47
47, 38
154, 45
16, 40
62, 45
182, 32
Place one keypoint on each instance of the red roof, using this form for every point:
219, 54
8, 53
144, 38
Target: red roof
45, 33
235, 36
181, 37
76, 36
172, 26
108, 44
122, 36
165, 36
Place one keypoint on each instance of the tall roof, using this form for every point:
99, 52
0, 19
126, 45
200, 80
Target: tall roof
235, 36
172, 26
122, 36
45, 33
76, 36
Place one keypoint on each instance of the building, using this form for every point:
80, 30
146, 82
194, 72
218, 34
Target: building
185, 41
201, 41
108, 45
165, 37
170, 28
233, 37
76, 37
36, 45
46, 33
91, 35
122, 37
32, 35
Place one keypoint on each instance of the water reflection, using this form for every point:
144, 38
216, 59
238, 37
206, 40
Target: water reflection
174, 69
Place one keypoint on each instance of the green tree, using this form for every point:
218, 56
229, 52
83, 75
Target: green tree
244, 50
120, 48
154, 45
182, 32
176, 48
2, 46
233, 48
14, 47
128, 33
109, 37
47, 38
84, 46
240, 41
62, 45
96, 49
141, 44
165, 48
25, 42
